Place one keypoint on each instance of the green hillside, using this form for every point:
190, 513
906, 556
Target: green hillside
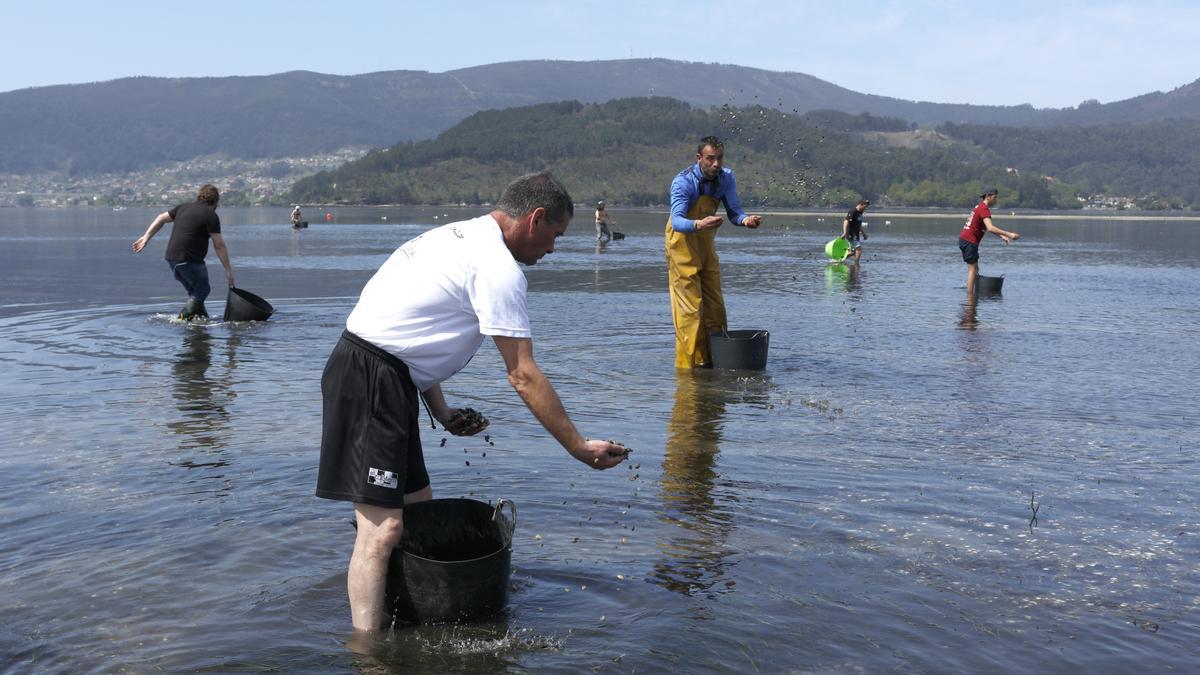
1157, 161
627, 151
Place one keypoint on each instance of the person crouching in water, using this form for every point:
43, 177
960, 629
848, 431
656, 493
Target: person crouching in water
979, 224
194, 224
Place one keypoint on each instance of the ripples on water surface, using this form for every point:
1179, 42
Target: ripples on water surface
865, 504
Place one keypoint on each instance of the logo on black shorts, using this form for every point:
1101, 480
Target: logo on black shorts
382, 478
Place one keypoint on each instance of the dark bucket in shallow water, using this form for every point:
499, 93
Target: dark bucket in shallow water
988, 285
242, 305
739, 349
453, 562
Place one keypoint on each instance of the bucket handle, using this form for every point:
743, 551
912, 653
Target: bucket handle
757, 334
512, 508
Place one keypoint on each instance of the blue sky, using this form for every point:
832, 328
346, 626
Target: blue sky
1046, 53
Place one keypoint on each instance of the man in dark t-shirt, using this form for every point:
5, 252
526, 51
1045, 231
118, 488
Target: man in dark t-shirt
194, 224
852, 228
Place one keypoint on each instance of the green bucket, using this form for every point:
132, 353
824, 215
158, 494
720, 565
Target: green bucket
837, 249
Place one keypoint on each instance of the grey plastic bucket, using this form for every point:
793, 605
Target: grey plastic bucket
988, 285
453, 562
739, 349
242, 305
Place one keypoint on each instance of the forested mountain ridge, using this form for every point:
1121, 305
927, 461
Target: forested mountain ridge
628, 150
135, 123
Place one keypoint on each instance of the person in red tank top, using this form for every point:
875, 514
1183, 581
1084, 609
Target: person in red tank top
979, 224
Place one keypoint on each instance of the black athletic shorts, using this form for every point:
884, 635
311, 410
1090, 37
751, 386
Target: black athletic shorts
370, 440
970, 251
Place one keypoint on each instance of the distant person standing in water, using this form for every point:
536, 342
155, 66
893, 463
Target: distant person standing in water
693, 269
603, 232
296, 217
979, 224
852, 228
194, 224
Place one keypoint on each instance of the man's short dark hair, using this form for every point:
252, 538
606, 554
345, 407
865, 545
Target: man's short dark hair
537, 190
707, 141
208, 194
863, 202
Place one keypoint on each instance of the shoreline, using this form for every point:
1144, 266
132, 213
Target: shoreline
939, 213
960, 216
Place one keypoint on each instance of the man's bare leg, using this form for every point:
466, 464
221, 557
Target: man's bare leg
379, 530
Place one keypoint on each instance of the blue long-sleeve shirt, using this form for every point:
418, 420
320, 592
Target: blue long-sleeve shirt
687, 187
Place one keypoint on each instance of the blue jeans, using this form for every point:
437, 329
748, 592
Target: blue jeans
194, 277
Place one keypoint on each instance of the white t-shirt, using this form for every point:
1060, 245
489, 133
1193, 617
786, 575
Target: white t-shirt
438, 295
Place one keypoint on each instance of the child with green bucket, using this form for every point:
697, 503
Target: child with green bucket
852, 228
850, 241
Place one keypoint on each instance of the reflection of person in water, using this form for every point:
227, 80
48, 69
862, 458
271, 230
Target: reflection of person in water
968, 320
841, 274
694, 559
201, 399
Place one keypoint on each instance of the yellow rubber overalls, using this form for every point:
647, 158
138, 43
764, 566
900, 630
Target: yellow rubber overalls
694, 277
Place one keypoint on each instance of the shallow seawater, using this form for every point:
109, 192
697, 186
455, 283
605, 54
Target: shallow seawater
915, 482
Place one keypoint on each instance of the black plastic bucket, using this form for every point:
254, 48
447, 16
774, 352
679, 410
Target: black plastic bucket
453, 562
242, 305
739, 349
988, 285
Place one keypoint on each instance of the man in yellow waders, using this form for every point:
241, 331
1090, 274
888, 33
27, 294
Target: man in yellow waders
693, 270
